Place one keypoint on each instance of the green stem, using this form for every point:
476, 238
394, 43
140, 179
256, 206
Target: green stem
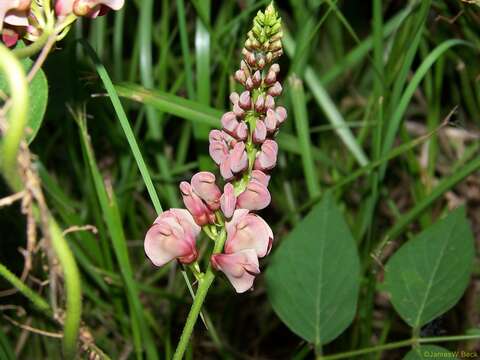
202, 291
33, 48
398, 344
37, 300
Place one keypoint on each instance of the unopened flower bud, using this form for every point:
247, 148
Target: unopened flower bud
234, 97
228, 200
261, 62
260, 104
269, 102
275, 90
199, 210
276, 45
240, 76
260, 132
271, 77
245, 101
257, 79
269, 57
249, 83
275, 68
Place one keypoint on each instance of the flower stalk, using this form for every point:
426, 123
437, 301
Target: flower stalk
245, 151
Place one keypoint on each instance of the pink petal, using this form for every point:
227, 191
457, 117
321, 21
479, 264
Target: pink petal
228, 201
267, 158
64, 7
271, 121
261, 177
240, 268
281, 113
225, 169
260, 132
16, 18
238, 158
248, 231
203, 184
200, 212
255, 197
229, 122
162, 246
10, 38
242, 131
245, 101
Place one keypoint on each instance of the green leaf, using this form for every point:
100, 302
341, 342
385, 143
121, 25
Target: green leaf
429, 274
313, 279
38, 99
430, 352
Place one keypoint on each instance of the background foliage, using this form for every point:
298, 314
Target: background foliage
383, 97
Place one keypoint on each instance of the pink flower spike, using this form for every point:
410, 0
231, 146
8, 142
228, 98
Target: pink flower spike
228, 200
238, 158
172, 236
260, 132
248, 231
267, 157
229, 122
261, 177
240, 268
203, 184
255, 197
200, 212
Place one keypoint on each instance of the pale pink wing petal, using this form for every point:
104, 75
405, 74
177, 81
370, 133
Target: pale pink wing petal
255, 197
228, 200
240, 268
162, 248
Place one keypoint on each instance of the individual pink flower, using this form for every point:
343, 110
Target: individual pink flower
267, 157
228, 200
172, 236
260, 132
199, 210
203, 184
218, 148
235, 162
229, 122
255, 197
240, 268
248, 231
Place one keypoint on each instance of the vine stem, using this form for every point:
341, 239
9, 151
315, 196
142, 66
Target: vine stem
203, 287
398, 344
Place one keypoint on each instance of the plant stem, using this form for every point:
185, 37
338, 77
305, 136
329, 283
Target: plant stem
202, 291
396, 345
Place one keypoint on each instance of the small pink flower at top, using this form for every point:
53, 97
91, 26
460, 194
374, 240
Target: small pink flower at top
240, 268
172, 236
90, 8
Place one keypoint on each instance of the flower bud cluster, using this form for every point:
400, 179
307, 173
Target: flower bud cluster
28, 19
245, 151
